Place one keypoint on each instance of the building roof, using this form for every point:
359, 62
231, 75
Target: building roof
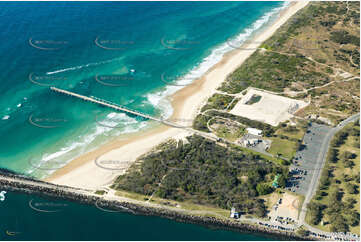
254, 131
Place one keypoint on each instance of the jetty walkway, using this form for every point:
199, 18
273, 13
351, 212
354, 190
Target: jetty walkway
115, 106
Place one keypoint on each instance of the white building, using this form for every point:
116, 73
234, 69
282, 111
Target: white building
254, 131
234, 214
251, 142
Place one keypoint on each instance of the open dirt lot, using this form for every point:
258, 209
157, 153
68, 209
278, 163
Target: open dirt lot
270, 108
289, 206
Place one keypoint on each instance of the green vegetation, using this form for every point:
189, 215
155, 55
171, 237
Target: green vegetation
308, 51
343, 37
264, 188
200, 171
315, 31
217, 101
261, 155
285, 142
294, 133
200, 122
206, 210
274, 72
337, 201
100, 192
283, 147
302, 232
227, 130
335, 102
306, 35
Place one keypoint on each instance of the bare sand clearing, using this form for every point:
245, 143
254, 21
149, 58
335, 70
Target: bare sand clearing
83, 172
289, 206
271, 109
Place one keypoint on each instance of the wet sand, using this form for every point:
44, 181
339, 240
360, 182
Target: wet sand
85, 172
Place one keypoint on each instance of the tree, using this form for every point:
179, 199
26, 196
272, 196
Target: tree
346, 178
260, 209
344, 37
200, 123
281, 181
357, 123
350, 188
263, 189
302, 232
347, 155
320, 194
357, 178
356, 143
203, 172
315, 212
333, 208
354, 218
338, 224
355, 132
350, 202
148, 190
325, 178
339, 138
332, 154
335, 194
348, 163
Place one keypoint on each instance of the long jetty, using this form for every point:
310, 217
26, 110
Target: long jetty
115, 106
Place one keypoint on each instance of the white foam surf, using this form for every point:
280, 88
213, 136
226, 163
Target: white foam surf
83, 66
121, 124
159, 98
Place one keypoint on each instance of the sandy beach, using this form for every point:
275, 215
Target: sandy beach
90, 170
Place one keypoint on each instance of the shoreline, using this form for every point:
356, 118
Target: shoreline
14, 183
83, 172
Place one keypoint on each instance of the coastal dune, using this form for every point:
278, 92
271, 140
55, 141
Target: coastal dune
88, 171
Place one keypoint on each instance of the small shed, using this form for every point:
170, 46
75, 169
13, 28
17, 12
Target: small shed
234, 214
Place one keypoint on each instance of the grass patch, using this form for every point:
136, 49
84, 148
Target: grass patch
227, 131
292, 132
132, 195
217, 101
100, 192
201, 210
283, 147
275, 160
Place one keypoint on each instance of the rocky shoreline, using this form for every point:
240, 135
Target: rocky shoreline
16, 183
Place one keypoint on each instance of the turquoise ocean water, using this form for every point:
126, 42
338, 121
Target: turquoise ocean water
134, 54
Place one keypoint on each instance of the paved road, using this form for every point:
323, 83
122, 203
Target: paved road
305, 158
321, 160
315, 233
320, 143
310, 193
